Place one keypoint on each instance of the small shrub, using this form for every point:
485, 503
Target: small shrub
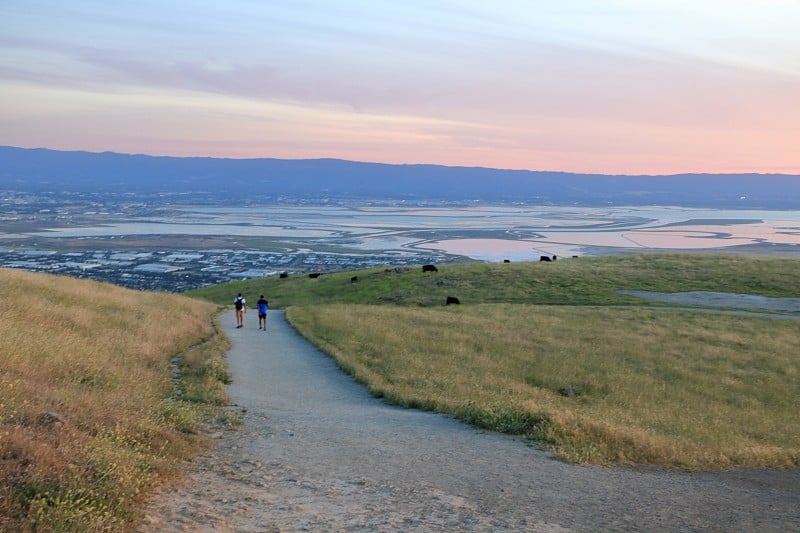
514, 421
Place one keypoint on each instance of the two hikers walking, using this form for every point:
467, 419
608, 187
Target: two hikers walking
240, 305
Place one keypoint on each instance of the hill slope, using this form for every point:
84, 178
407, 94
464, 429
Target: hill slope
584, 281
89, 419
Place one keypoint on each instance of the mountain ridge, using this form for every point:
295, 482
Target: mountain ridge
321, 179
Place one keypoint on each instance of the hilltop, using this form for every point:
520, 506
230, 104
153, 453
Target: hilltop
228, 181
577, 281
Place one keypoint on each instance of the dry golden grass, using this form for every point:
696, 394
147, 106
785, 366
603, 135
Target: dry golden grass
680, 389
99, 357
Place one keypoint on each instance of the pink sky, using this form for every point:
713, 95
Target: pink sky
612, 86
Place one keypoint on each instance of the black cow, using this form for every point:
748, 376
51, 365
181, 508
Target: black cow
506, 260
544, 258
429, 268
314, 275
452, 300
283, 275
354, 279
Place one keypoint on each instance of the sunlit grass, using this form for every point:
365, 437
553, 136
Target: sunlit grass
645, 386
97, 356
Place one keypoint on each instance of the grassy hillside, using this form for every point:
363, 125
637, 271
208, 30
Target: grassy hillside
594, 384
584, 281
552, 352
89, 416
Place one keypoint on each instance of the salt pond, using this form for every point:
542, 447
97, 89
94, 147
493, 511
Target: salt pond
484, 233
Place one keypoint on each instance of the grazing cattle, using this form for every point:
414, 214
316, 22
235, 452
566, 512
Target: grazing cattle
354, 279
544, 258
314, 275
429, 268
452, 300
506, 260
283, 275
555, 257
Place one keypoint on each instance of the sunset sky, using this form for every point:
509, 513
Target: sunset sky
609, 86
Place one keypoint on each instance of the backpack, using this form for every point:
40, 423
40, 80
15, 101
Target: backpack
238, 304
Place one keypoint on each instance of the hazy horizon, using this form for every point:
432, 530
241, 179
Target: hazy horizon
411, 163
587, 86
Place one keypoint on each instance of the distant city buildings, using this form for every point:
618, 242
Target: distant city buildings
121, 263
182, 270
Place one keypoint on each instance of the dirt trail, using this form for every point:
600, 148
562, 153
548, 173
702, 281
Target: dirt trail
317, 453
719, 301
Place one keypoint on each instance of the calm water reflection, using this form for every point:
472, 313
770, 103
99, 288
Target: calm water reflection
486, 233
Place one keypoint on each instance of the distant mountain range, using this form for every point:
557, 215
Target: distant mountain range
321, 180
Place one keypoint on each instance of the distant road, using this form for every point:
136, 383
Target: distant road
318, 452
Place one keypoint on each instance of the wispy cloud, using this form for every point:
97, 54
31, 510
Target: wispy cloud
575, 85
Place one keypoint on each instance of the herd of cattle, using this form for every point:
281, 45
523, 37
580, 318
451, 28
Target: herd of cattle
451, 300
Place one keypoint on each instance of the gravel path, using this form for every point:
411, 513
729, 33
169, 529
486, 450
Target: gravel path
317, 453
714, 301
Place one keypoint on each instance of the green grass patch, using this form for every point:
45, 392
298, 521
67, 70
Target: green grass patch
583, 281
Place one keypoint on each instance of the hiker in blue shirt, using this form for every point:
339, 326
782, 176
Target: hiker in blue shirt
263, 305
